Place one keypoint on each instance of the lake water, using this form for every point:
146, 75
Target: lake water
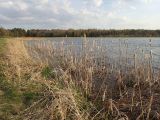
114, 50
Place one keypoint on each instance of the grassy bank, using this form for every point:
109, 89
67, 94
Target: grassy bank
14, 95
30, 90
7, 91
61, 87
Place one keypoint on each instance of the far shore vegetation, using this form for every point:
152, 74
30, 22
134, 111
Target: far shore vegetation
19, 32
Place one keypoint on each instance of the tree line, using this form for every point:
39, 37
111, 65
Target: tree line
19, 32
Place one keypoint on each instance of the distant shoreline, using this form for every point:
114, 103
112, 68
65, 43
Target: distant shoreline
20, 32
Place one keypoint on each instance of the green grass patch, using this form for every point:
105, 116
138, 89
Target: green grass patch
48, 73
29, 98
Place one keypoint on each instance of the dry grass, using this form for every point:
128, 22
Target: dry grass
58, 99
84, 88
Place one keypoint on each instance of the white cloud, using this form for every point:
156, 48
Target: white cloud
18, 5
77, 13
21, 5
6, 4
147, 1
133, 7
43, 1
98, 3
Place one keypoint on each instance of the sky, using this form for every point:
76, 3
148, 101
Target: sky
80, 14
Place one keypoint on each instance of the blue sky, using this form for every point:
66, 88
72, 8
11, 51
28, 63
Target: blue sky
101, 14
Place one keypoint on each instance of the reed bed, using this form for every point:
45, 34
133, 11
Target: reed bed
88, 83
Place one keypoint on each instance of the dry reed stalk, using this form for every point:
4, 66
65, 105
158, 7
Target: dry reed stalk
104, 94
80, 73
149, 107
141, 100
132, 99
112, 108
120, 83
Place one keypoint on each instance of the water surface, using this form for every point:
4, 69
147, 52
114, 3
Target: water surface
115, 50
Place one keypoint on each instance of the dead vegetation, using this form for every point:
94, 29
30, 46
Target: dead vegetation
54, 84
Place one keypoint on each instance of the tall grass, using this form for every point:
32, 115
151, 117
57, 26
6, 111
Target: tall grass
117, 89
84, 85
